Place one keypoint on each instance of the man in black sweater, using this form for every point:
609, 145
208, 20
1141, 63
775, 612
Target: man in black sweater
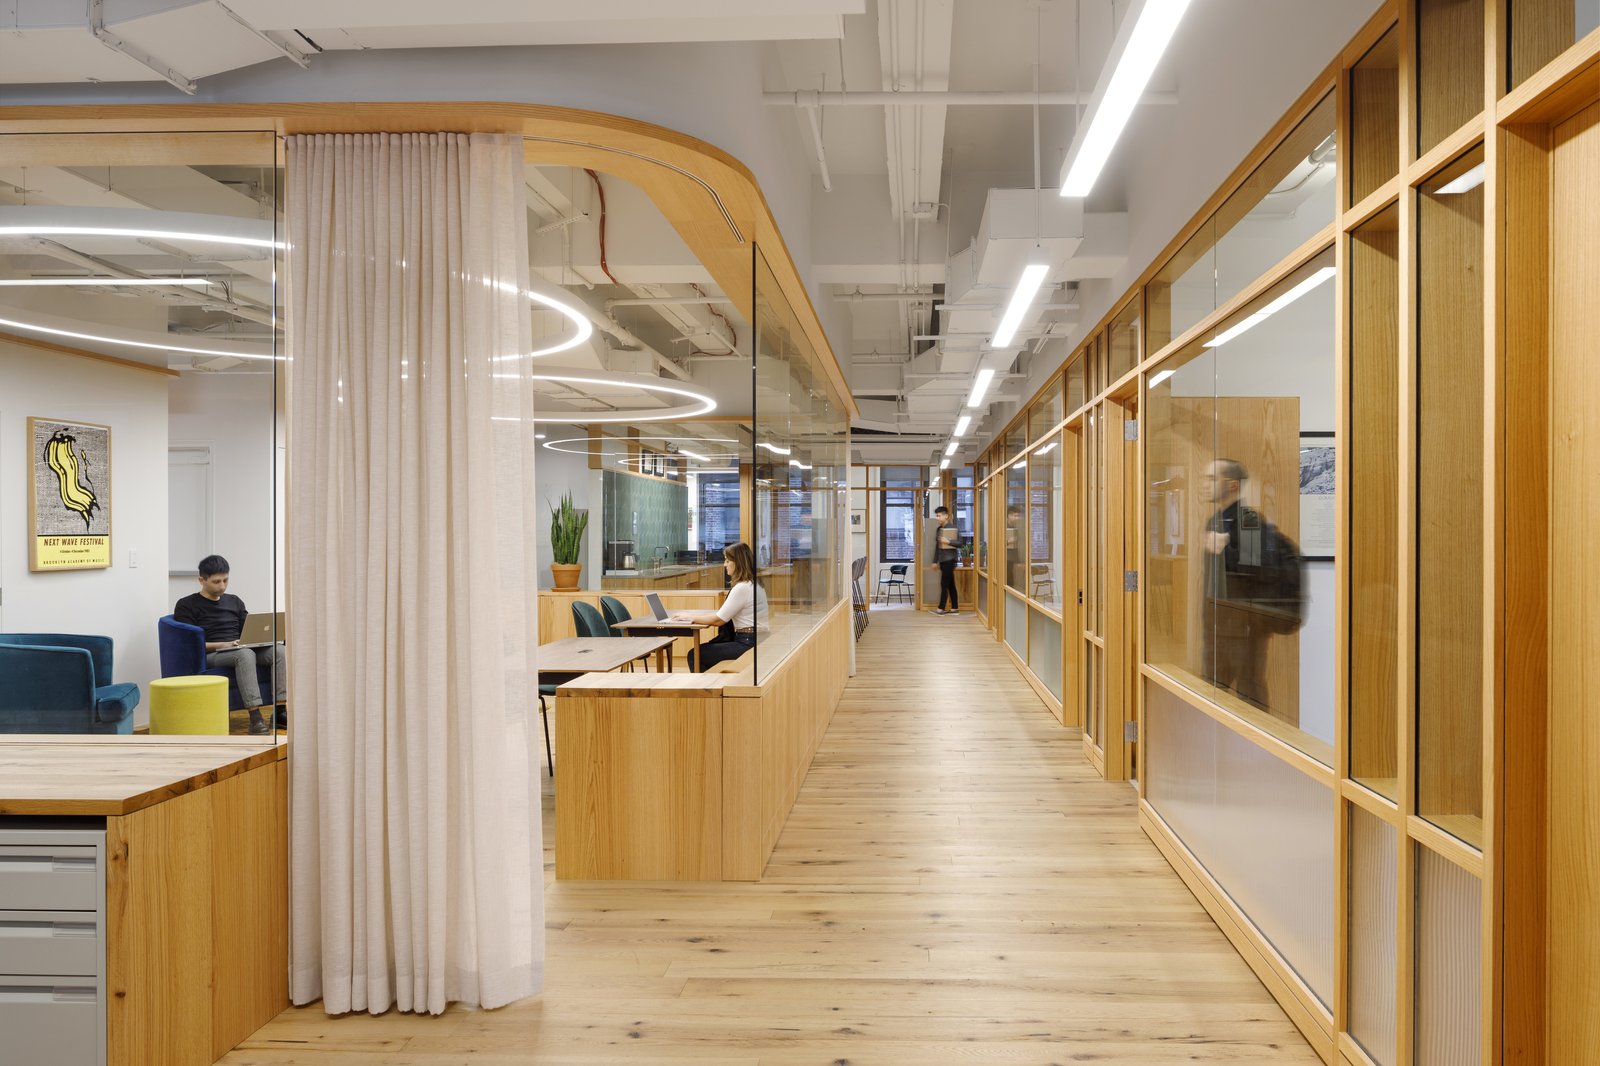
221, 614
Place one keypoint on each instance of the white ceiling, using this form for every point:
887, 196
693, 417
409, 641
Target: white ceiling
909, 183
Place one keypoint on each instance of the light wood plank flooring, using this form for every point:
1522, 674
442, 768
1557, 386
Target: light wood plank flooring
954, 886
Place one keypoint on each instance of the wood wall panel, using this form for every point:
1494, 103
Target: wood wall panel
1573, 943
1450, 42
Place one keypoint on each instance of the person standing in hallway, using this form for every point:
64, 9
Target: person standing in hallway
1253, 586
946, 554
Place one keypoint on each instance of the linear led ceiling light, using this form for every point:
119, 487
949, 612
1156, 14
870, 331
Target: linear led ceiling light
944, 464
962, 423
1138, 47
950, 449
1271, 309
1159, 378
1021, 299
1465, 183
773, 448
107, 282
980, 386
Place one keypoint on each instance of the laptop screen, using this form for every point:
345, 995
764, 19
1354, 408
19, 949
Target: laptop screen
656, 609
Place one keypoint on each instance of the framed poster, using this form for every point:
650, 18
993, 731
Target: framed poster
1319, 516
69, 495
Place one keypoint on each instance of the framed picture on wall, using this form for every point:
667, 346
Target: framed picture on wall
69, 495
1319, 517
858, 519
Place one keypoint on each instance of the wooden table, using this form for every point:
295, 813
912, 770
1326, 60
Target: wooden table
671, 627
583, 655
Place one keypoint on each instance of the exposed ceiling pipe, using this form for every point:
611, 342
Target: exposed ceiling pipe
816, 140
667, 301
815, 98
289, 52
859, 297
97, 27
625, 337
233, 306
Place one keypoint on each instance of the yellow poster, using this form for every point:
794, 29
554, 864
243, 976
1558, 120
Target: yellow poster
70, 495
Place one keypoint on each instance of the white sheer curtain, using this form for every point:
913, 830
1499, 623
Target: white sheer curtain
416, 864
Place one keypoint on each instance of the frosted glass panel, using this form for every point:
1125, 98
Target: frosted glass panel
1372, 935
1044, 650
1260, 827
1016, 626
1449, 963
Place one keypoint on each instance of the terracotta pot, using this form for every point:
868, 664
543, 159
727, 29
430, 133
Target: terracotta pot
566, 576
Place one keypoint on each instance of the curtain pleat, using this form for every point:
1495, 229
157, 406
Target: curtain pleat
416, 864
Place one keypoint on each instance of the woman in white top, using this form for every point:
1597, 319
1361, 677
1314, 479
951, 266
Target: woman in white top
741, 614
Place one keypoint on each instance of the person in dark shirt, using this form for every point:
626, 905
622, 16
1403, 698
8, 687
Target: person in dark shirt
221, 615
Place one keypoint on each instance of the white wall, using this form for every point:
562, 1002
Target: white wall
234, 415
124, 601
559, 472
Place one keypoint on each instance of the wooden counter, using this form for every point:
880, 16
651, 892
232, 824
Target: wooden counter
196, 896
707, 576
690, 777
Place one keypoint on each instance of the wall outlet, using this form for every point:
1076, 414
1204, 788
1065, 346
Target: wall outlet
133, 558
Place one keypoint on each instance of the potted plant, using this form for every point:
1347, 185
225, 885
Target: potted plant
567, 526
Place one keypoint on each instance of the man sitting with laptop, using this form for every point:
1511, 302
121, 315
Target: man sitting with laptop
223, 617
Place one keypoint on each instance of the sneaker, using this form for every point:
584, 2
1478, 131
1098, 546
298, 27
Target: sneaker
258, 725
281, 719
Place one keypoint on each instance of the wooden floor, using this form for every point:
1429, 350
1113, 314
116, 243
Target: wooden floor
954, 886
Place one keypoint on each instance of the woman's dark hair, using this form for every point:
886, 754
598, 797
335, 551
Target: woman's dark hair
213, 564
744, 561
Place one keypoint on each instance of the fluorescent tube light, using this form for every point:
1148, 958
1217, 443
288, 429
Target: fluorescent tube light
944, 464
951, 448
107, 282
1159, 378
1021, 298
773, 448
1465, 183
980, 386
962, 423
1047, 449
1271, 309
1298, 291
1136, 51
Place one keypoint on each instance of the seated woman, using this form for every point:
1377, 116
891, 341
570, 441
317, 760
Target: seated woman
741, 614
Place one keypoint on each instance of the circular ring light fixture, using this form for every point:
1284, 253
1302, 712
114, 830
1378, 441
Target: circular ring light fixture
582, 330
131, 340
137, 223
696, 405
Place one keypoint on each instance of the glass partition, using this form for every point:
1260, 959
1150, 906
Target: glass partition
1045, 414
800, 481
1075, 381
1123, 340
1016, 546
1240, 466
1044, 524
164, 446
1285, 202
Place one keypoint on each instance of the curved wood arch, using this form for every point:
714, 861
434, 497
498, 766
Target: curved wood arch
711, 199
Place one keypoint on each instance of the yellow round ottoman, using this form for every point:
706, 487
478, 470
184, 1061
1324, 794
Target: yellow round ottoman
197, 704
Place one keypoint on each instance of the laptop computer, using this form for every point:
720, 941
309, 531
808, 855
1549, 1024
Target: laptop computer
261, 630
661, 613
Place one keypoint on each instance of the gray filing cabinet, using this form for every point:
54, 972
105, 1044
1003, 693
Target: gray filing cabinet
52, 941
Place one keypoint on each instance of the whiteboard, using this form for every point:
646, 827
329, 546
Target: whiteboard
188, 507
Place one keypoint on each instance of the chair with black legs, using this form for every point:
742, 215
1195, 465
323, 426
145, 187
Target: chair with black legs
895, 583
615, 611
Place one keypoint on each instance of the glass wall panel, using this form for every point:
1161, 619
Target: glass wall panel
981, 529
1045, 414
1044, 523
1016, 532
1285, 202
1375, 117
1373, 936
1044, 650
1075, 381
1374, 486
1260, 827
1449, 64
1450, 460
1124, 341
128, 471
1241, 586
800, 492
1017, 625
1449, 969
1540, 30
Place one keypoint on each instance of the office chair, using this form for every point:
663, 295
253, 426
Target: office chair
588, 621
614, 612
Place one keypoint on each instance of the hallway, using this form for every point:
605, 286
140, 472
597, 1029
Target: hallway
954, 885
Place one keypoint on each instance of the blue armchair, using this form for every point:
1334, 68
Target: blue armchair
183, 654
61, 683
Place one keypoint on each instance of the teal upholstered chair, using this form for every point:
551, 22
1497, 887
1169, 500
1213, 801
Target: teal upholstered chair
61, 683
